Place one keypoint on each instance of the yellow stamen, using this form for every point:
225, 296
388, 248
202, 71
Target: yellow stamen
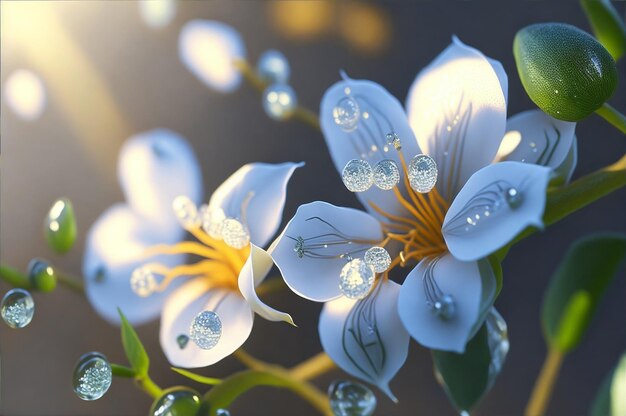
218, 273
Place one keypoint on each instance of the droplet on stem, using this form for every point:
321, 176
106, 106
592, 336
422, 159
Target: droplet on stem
378, 259
356, 279
349, 398
357, 175
422, 172
386, 174
279, 101
235, 234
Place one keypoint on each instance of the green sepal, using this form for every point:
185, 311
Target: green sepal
610, 399
135, 352
196, 377
607, 25
577, 286
60, 226
564, 70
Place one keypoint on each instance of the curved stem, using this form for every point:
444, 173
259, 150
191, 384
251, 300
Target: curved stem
313, 367
146, 384
614, 117
542, 391
71, 282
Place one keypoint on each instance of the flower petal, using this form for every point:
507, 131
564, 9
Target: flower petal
457, 108
379, 113
483, 218
155, 167
256, 193
470, 284
114, 248
366, 338
315, 274
208, 49
252, 274
182, 306
543, 140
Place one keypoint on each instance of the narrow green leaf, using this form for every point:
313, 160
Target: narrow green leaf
607, 25
122, 371
465, 377
610, 399
197, 377
135, 352
14, 277
577, 287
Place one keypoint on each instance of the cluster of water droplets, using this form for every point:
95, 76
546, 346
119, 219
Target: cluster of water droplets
205, 330
347, 113
17, 308
358, 275
348, 398
444, 307
279, 98
92, 376
143, 282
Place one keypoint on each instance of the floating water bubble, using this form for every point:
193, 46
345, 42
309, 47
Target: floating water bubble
394, 140
445, 307
347, 113
273, 67
222, 412
206, 330
498, 340
41, 275
186, 212
348, 398
386, 174
182, 340
356, 279
60, 226
235, 234
25, 94
279, 101
213, 222
513, 198
17, 308
378, 259
176, 401
92, 376
143, 282
422, 173
357, 175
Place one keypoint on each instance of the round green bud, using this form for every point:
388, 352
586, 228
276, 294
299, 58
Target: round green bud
564, 70
41, 275
60, 226
176, 401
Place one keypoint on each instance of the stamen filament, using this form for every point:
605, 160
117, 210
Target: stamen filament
186, 247
217, 272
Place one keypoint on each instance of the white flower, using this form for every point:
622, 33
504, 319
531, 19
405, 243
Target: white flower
144, 236
456, 115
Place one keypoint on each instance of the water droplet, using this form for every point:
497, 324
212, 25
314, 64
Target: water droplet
347, 113
143, 282
279, 101
206, 330
92, 376
235, 234
17, 308
356, 279
222, 412
378, 259
41, 275
386, 174
498, 340
182, 340
176, 401
273, 67
357, 175
186, 212
394, 140
445, 307
60, 226
422, 173
213, 222
299, 247
349, 398
513, 197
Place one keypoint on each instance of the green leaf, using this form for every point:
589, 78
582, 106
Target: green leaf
60, 226
122, 371
14, 277
607, 25
465, 377
565, 71
610, 399
135, 352
196, 377
577, 287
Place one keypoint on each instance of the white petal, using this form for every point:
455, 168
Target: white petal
114, 248
566, 169
208, 49
256, 194
472, 287
315, 275
182, 306
366, 338
481, 220
252, 274
155, 167
543, 141
368, 140
457, 108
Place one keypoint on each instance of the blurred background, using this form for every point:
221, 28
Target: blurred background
106, 71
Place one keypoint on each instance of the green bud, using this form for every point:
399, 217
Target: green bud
607, 25
60, 226
564, 70
41, 275
176, 401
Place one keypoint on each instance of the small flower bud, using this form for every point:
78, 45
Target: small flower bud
176, 401
41, 275
60, 226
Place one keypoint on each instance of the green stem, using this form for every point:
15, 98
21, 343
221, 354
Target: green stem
544, 385
146, 384
14, 278
122, 371
614, 117
72, 283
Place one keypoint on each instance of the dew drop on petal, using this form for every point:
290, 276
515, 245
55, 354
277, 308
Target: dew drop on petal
176, 401
235, 234
182, 340
513, 198
386, 174
17, 308
213, 222
498, 340
347, 113
349, 398
378, 259
394, 140
422, 173
356, 279
186, 212
206, 330
92, 376
143, 282
273, 67
357, 175
279, 101
445, 307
